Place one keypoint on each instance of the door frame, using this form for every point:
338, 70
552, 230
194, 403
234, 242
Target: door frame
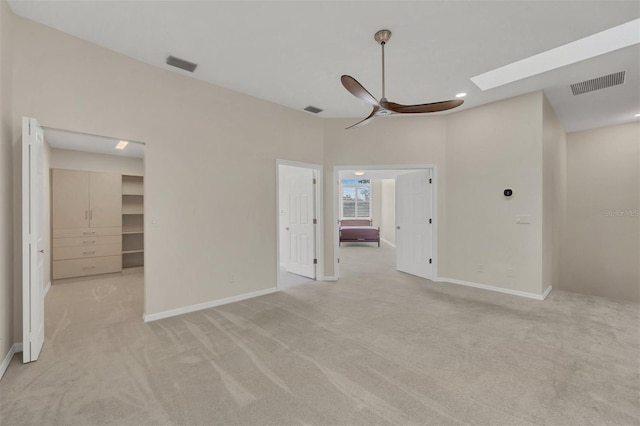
318, 213
434, 207
147, 221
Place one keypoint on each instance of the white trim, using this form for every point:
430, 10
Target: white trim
319, 215
387, 242
330, 278
434, 207
496, 289
14, 349
46, 289
206, 305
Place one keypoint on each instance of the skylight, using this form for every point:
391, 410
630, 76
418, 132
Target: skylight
594, 45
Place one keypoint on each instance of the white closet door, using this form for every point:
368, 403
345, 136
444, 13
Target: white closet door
413, 230
70, 199
105, 206
32, 239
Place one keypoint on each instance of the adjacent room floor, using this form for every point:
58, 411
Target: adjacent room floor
377, 347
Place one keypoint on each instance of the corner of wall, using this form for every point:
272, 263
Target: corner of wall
553, 194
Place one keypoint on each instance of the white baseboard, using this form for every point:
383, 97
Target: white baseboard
329, 278
387, 242
206, 305
15, 348
46, 289
497, 289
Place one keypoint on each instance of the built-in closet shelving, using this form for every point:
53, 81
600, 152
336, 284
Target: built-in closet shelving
132, 221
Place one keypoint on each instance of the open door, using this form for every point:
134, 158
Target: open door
413, 224
32, 239
300, 227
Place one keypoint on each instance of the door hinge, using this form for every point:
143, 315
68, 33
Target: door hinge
430, 181
430, 260
338, 260
315, 261
314, 181
315, 221
429, 220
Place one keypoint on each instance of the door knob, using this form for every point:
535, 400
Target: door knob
397, 227
287, 228
41, 251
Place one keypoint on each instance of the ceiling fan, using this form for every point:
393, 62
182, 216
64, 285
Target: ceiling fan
383, 106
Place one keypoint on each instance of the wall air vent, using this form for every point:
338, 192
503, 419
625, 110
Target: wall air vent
181, 63
313, 109
598, 83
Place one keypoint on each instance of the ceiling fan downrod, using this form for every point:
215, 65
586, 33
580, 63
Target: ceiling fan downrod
382, 37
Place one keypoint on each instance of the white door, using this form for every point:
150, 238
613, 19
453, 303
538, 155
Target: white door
300, 229
413, 227
32, 239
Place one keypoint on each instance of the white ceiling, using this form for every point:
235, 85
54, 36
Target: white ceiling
293, 53
63, 139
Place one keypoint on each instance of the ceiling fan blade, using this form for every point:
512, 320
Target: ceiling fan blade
357, 90
422, 108
366, 120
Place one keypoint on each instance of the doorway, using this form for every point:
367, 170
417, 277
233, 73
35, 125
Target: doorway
299, 224
402, 202
88, 206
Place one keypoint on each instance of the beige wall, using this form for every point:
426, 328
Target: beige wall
388, 211
554, 150
6, 188
78, 160
393, 141
204, 143
601, 248
490, 148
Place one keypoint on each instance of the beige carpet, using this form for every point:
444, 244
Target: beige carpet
377, 347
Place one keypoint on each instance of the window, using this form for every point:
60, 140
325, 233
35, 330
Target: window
356, 198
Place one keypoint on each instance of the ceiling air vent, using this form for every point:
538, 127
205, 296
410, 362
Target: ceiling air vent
313, 109
181, 63
598, 83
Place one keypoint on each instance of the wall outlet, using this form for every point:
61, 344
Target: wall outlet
511, 272
233, 278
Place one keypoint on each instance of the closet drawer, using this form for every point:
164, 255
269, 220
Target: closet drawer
86, 232
82, 267
87, 241
76, 252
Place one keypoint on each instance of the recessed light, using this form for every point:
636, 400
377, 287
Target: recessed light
358, 172
637, 115
588, 47
122, 145
461, 95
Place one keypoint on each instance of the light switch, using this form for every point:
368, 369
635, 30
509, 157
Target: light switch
523, 219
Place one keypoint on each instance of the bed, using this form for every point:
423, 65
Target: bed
358, 231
